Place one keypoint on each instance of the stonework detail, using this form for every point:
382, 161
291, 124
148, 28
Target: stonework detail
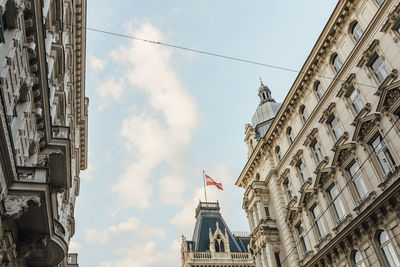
16, 205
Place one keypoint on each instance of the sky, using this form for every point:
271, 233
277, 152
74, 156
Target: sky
159, 116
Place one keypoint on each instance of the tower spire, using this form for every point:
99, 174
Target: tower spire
264, 93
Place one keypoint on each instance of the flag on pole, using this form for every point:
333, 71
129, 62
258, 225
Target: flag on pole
210, 181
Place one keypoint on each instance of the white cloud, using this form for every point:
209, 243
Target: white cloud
133, 225
74, 247
95, 63
149, 139
109, 91
147, 254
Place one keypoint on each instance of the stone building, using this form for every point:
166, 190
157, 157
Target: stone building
43, 128
321, 182
213, 244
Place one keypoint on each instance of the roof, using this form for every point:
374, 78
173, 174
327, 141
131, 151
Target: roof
207, 216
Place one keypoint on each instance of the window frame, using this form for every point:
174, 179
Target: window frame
289, 133
386, 146
332, 201
278, 153
333, 132
357, 99
355, 25
379, 68
318, 88
353, 177
302, 172
316, 219
304, 113
380, 246
302, 239
317, 152
288, 188
336, 62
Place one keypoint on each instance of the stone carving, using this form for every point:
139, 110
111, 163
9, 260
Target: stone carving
16, 205
344, 154
365, 129
44, 156
391, 98
26, 176
27, 245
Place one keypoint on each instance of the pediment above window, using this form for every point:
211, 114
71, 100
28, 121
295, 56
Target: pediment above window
307, 197
296, 157
369, 53
347, 85
323, 177
390, 98
284, 175
311, 137
343, 154
392, 19
365, 127
292, 215
327, 112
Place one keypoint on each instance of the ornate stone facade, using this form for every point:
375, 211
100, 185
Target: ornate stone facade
322, 185
43, 128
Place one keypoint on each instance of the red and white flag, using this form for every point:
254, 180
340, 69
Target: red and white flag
210, 181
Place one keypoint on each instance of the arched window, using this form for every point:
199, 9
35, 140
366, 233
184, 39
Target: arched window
318, 88
387, 250
304, 113
357, 259
257, 177
278, 153
290, 134
356, 30
219, 245
337, 62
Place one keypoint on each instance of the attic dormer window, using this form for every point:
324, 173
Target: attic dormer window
219, 244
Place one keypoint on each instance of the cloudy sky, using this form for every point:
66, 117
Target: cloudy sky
159, 116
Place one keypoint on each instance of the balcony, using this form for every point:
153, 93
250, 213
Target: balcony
219, 257
58, 153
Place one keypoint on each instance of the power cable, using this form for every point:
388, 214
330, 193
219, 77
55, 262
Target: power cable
348, 182
213, 54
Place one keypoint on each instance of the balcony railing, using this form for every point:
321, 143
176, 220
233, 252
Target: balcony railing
202, 255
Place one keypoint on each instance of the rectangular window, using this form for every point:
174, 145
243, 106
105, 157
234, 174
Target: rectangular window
288, 190
267, 212
335, 127
379, 69
358, 180
317, 151
337, 202
320, 91
316, 213
356, 101
383, 155
302, 241
302, 171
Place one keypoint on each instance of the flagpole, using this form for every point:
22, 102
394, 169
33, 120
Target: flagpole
204, 181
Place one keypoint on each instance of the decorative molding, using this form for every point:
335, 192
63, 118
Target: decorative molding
44, 156
369, 53
296, 157
15, 205
310, 137
347, 85
392, 19
323, 177
343, 154
327, 113
365, 126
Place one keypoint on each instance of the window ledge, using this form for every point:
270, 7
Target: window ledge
342, 223
305, 185
291, 202
363, 111
323, 241
363, 203
390, 178
306, 257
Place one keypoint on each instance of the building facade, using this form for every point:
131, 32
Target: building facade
321, 184
213, 244
43, 128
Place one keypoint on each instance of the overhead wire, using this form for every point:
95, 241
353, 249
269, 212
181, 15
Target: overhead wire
213, 54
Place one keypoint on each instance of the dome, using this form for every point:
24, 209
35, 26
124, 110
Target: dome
265, 112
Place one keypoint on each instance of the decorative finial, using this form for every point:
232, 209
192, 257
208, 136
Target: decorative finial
260, 80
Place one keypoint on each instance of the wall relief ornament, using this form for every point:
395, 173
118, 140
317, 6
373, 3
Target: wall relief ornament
366, 126
43, 157
15, 205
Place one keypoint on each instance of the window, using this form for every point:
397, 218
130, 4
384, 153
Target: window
288, 189
267, 212
316, 214
379, 69
219, 245
301, 236
335, 127
383, 155
387, 250
290, 134
356, 101
320, 91
337, 62
317, 151
380, 2
304, 113
357, 259
278, 153
356, 31
337, 202
358, 180
302, 171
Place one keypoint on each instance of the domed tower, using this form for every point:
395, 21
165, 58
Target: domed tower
265, 112
262, 118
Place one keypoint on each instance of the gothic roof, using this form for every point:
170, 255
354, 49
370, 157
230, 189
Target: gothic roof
207, 217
